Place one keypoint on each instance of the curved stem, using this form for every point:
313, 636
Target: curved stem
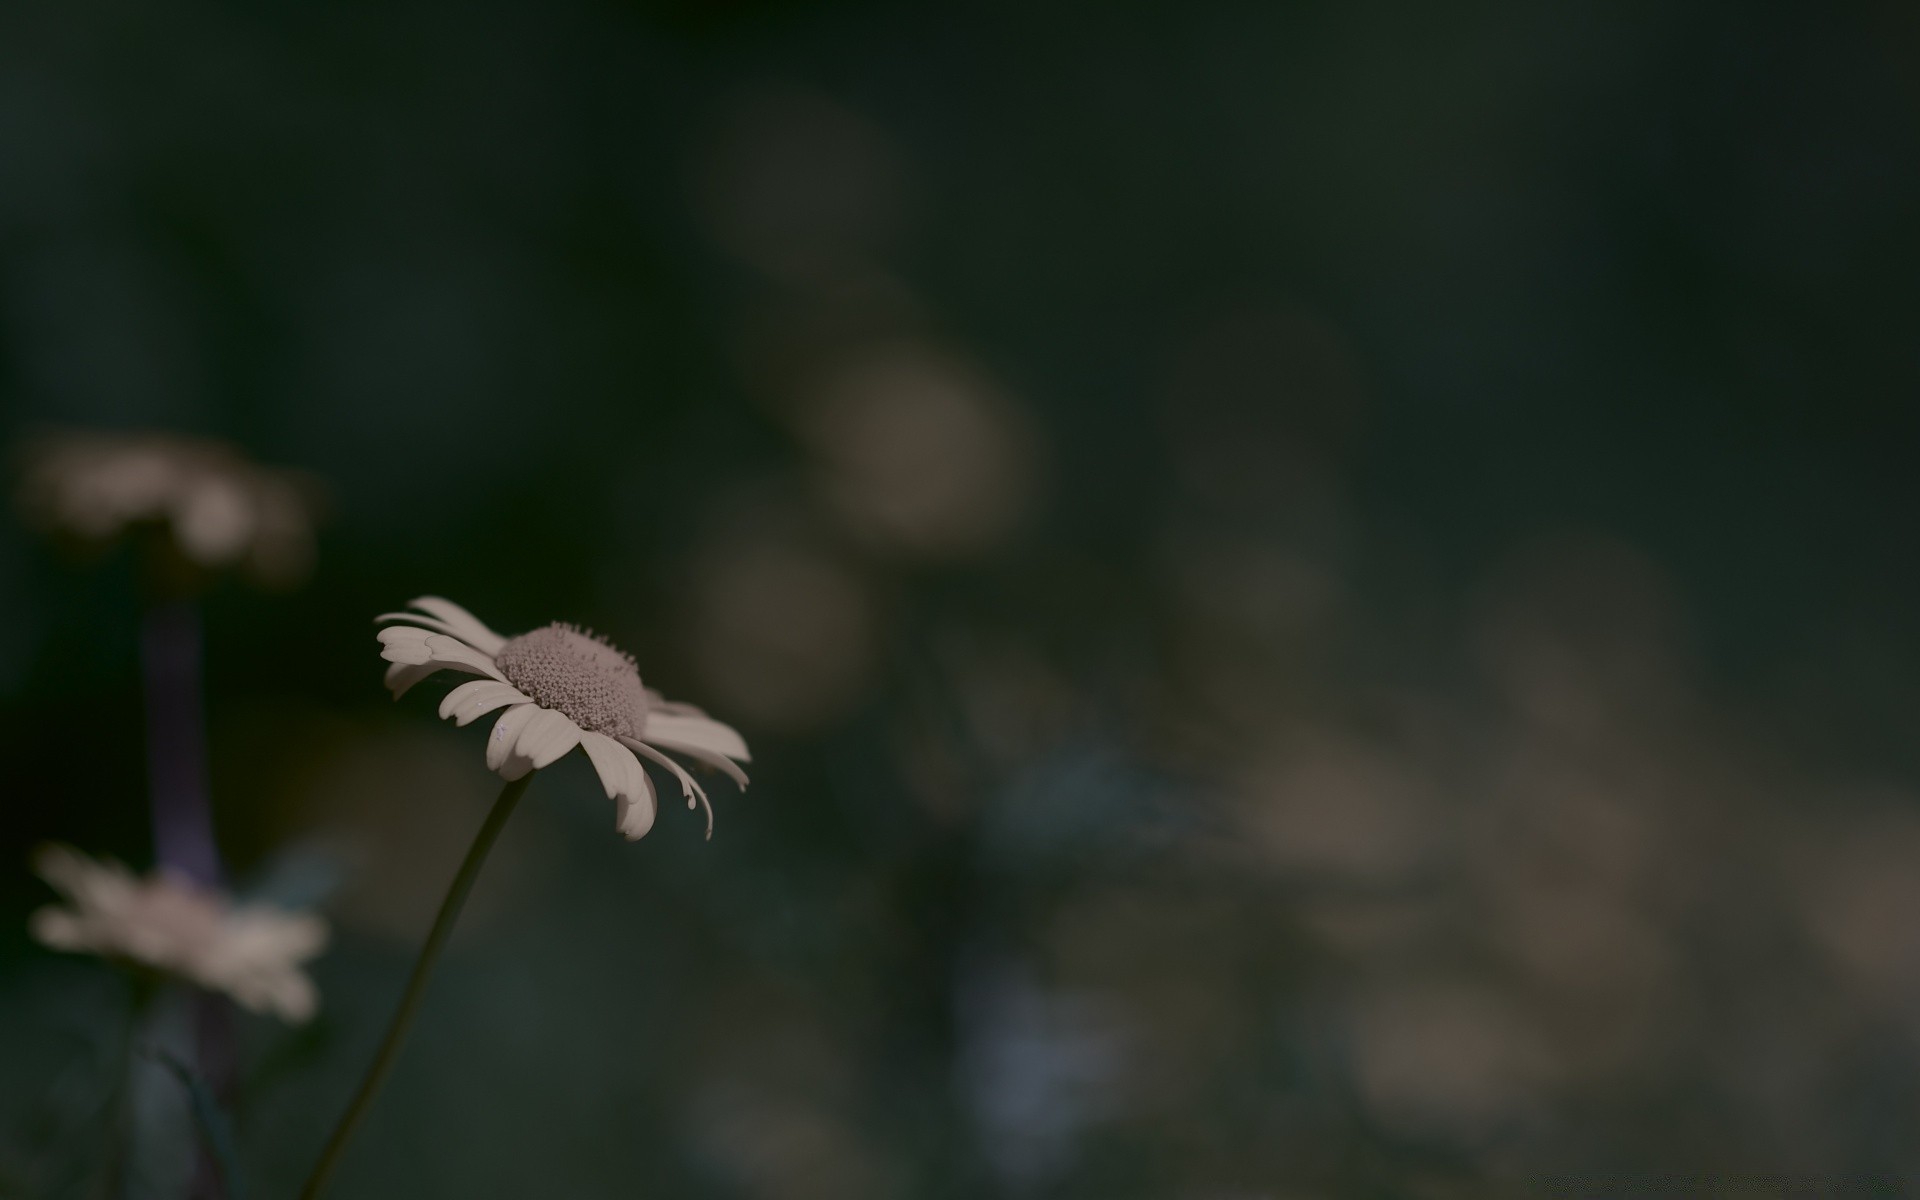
416, 985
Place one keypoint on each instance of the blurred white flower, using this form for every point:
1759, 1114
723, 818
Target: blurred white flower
1857, 881
561, 687
918, 452
1335, 808
782, 630
251, 952
1437, 1056
220, 509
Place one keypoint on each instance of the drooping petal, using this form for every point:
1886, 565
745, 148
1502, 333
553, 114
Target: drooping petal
467, 627
669, 729
477, 698
611, 761
687, 784
506, 733
546, 737
636, 812
625, 780
718, 761
451, 652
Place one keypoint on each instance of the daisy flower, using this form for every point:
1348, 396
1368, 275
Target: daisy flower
251, 952
561, 687
219, 509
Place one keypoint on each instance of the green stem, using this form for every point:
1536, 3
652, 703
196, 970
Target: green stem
416, 986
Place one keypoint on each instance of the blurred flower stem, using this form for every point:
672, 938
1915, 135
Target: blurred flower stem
118, 1108
456, 898
182, 810
177, 742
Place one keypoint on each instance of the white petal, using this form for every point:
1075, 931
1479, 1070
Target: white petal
689, 731
419, 624
403, 649
516, 767
506, 732
408, 654
478, 698
296, 999
213, 520
660, 704
546, 737
687, 784
60, 929
626, 781
718, 761
66, 868
402, 676
451, 652
467, 627
611, 761
636, 813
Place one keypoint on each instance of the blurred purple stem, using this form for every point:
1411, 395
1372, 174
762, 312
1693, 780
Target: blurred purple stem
177, 742
170, 648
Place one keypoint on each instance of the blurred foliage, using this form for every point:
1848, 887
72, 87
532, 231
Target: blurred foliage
1321, 592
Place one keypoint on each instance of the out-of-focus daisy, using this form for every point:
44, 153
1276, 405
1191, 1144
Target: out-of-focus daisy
918, 452
219, 509
251, 952
561, 687
781, 630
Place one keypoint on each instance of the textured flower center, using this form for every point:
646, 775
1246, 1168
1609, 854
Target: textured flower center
571, 672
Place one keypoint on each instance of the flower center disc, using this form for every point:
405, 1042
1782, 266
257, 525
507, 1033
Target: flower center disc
563, 669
